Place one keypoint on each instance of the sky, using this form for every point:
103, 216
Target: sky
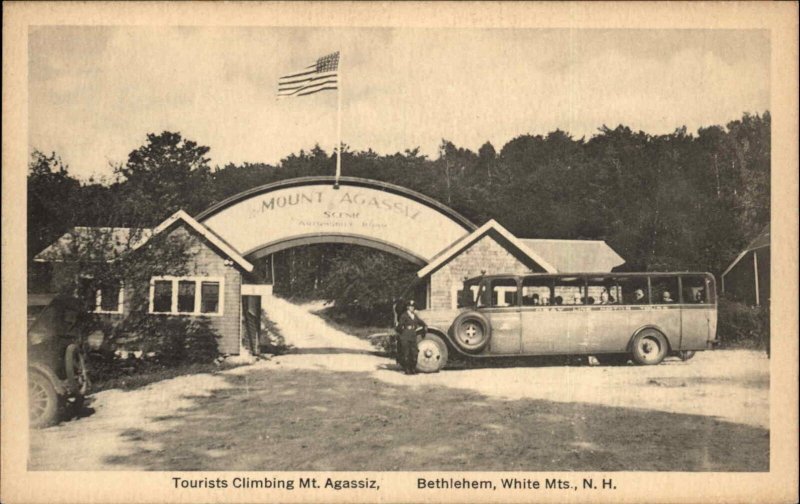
95, 92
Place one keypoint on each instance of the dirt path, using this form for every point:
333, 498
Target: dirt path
730, 385
146, 428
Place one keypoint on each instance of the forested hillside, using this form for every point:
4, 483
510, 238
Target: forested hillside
664, 202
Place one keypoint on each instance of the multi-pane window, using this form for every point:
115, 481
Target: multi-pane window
186, 296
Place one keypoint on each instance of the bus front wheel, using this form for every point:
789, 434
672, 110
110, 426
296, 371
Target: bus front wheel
649, 347
432, 355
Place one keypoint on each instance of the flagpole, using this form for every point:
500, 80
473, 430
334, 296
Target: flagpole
338, 123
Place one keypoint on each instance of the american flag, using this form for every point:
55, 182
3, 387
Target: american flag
320, 76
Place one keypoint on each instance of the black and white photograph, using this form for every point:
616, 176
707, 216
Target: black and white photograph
515, 262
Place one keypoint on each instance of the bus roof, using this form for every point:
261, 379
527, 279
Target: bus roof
591, 274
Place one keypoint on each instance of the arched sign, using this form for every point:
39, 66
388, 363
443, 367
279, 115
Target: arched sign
310, 210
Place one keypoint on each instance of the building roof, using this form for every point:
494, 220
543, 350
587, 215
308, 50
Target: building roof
472, 237
759, 242
576, 256
109, 243
207, 233
94, 244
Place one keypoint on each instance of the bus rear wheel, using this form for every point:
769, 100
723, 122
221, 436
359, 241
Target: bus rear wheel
649, 347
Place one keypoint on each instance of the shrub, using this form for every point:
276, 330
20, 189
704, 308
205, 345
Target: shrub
385, 342
742, 326
171, 340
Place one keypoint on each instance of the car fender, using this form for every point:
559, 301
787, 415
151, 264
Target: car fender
654, 327
48, 373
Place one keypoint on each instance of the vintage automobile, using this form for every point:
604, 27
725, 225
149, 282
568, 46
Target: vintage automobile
57, 374
613, 317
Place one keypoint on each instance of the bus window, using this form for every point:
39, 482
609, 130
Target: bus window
664, 290
482, 298
468, 295
569, 291
504, 291
537, 291
695, 290
602, 290
631, 290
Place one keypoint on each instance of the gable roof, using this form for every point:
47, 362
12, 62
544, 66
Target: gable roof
472, 237
759, 242
83, 241
206, 233
576, 256
94, 244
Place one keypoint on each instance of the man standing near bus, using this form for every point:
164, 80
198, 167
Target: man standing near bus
408, 325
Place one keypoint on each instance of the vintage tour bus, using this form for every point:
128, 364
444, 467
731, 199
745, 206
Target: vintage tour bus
615, 317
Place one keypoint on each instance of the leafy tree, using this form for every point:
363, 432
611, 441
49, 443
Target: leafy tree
674, 201
166, 174
51, 196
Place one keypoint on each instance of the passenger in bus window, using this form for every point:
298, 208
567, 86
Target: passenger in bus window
698, 296
577, 299
604, 297
558, 301
666, 297
638, 297
535, 299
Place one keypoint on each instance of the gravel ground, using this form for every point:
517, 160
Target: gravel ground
731, 385
726, 387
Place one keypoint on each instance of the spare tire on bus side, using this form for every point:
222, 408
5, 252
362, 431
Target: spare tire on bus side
471, 332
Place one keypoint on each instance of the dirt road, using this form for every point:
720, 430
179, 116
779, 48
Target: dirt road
332, 404
730, 385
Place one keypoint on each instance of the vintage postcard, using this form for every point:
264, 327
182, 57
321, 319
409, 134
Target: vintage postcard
412, 252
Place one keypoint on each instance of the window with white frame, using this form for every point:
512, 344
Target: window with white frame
104, 297
186, 295
109, 298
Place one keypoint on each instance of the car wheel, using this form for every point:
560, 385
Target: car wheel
649, 347
471, 332
77, 373
432, 354
42, 401
685, 355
